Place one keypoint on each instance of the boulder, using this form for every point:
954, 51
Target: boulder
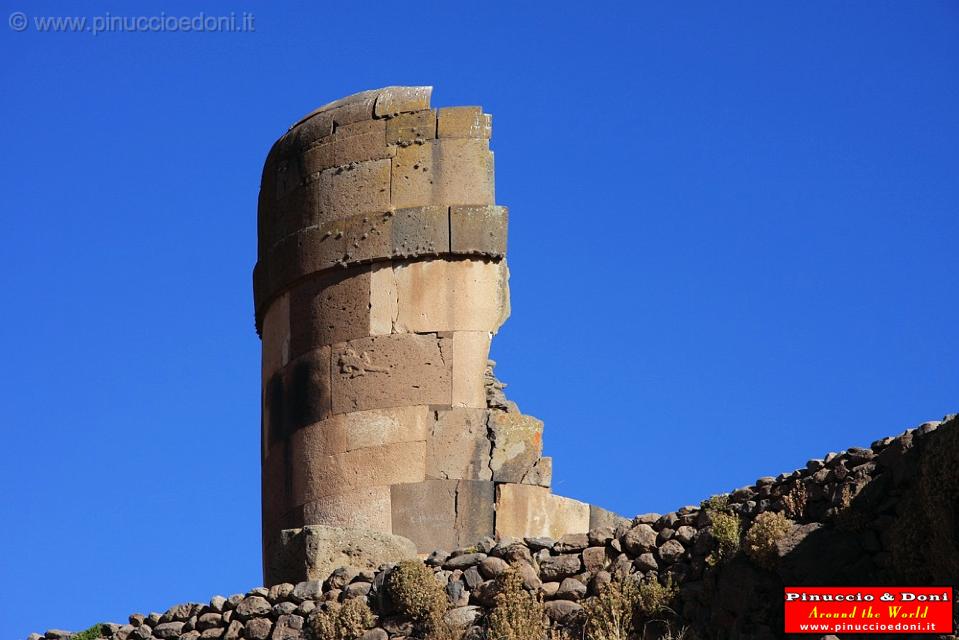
313, 552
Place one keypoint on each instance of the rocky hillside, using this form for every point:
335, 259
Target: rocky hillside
886, 514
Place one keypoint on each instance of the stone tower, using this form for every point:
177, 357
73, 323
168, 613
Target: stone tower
380, 278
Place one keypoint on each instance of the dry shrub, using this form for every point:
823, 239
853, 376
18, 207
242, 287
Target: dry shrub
337, 621
795, 501
610, 615
655, 598
417, 595
767, 529
517, 614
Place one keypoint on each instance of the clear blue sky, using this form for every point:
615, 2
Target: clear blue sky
733, 248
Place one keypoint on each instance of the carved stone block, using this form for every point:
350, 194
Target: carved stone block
391, 371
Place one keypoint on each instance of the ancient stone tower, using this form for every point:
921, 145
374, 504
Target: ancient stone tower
381, 277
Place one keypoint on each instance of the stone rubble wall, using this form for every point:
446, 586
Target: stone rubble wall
381, 278
882, 515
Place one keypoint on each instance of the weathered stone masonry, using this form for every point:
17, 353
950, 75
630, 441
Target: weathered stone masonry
381, 277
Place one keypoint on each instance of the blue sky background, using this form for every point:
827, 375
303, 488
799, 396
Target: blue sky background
733, 248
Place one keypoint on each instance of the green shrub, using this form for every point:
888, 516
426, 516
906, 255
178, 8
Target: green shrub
716, 503
517, 614
95, 632
337, 621
726, 529
767, 529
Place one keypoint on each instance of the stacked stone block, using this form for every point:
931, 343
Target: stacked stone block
381, 278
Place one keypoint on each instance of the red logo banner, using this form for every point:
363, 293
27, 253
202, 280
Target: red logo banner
830, 610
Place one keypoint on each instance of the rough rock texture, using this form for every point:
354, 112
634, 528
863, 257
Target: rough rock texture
885, 514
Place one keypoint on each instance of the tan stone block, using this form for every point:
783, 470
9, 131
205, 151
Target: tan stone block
361, 109
298, 395
317, 158
404, 233
308, 205
470, 355
383, 303
463, 122
306, 133
361, 188
367, 508
411, 128
365, 429
393, 100
416, 232
316, 475
425, 512
314, 552
458, 447
272, 532
541, 474
360, 142
475, 511
391, 371
479, 230
517, 445
366, 237
285, 170
276, 337
300, 254
420, 231
330, 307
453, 171
451, 295
272, 421
362, 100
443, 514
276, 481
529, 511
599, 517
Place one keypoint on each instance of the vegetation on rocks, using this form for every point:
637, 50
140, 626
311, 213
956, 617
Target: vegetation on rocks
794, 501
418, 596
726, 529
654, 598
93, 633
767, 529
611, 614
346, 621
517, 614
